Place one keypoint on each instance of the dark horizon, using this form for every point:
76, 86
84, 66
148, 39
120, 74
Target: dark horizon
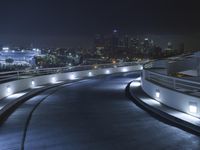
69, 23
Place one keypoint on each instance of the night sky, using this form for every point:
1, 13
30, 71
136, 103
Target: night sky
75, 22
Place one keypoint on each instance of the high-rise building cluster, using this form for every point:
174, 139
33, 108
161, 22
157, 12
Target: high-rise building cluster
116, 45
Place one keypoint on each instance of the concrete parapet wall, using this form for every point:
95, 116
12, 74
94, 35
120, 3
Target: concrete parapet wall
172, 98
9, 88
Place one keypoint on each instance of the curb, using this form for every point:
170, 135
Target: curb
12, 106
187, 126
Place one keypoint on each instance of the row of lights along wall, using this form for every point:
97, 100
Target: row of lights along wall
71, 77
193, 108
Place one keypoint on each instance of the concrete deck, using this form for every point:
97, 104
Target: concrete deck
93, 114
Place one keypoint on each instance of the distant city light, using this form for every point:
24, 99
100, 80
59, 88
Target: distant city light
5, 48
95, 67
114, 62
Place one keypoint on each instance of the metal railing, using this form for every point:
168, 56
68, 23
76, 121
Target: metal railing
183, 85
15, 75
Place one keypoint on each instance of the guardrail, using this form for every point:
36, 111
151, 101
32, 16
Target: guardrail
179, 93
179, 84
160, 63
16, 75
182, 85
172, 82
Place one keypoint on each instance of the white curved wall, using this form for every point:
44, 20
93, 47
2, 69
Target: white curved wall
171, 98
23, 84
182, 65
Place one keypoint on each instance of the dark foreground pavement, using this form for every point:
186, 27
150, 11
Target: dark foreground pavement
93, 114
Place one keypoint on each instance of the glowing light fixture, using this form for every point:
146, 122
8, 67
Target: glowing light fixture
107, 71
53, 79
124, 70
72, 77
193, 108
90, 74
157, 93
9, 89
33, 83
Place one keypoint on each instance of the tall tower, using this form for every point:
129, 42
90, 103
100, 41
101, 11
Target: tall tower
115, 39
169, 46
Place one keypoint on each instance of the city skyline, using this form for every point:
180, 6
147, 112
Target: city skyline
191, 42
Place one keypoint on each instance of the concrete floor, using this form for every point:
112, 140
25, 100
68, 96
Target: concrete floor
93, 114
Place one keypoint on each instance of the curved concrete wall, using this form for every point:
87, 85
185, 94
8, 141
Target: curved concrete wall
182, 65
171, 98
160, 63
9, 88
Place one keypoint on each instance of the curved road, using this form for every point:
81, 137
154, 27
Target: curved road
92, 114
